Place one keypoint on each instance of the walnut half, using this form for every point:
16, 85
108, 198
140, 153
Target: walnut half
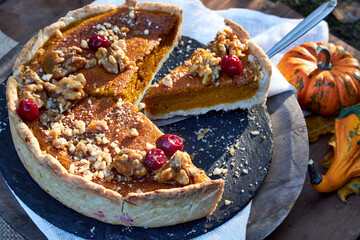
113, 59
71, 88
60, 63
205, 64
130, 163
181, 169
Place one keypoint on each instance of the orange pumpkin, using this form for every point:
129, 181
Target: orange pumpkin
327, 77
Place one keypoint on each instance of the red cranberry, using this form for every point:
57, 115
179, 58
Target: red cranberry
155, 159
28, 110
98, 41
169, 143
231, 64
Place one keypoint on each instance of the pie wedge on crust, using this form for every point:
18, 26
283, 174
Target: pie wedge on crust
200, 84
87, 146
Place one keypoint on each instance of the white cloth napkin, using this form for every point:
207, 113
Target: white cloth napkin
202, 24
6, 44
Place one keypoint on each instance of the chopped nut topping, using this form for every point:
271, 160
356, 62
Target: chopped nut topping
34, 88
55, 130
69, 87
91, 63
227, 43
134, 132
130, 162
80, 127
114, 60
205, 64
99, 165
68, 132
60, 143
98, 125
167, 81
31, 77
62, 63
81, 149
180, 169
47, 77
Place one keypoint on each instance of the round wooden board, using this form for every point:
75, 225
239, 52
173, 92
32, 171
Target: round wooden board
288, 169
239, 142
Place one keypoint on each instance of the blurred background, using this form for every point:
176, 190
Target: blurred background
344, 21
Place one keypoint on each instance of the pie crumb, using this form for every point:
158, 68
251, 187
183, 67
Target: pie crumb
134, 132
202, 133
255, 133
232, 151
217, 171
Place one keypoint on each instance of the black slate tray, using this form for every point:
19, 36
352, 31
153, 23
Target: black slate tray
246, 132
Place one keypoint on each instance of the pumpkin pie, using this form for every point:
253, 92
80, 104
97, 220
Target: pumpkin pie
73, 110
213, 78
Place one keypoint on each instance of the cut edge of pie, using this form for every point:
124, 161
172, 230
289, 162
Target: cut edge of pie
162, 207
188, 101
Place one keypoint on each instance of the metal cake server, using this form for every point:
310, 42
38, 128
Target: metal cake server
303, 27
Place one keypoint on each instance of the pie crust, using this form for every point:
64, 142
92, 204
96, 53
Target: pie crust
156, 208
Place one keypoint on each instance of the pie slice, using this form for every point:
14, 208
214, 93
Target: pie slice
73, 119
136, 41
201, 85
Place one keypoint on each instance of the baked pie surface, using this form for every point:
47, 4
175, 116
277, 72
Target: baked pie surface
86, 149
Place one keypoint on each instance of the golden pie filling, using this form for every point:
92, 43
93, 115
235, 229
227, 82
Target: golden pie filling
106, 142
138, 42
85, 95
189, 92
201, 83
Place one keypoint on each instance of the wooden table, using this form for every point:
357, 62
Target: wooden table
314, 215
